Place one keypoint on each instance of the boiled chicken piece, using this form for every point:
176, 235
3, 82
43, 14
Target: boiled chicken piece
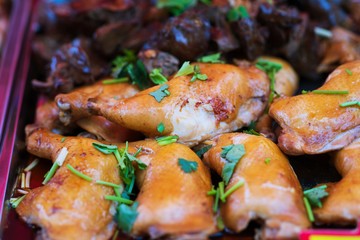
316, 123
286, 84
68, 207
342, 204
229, 99
271, 190
73, 106
173, 203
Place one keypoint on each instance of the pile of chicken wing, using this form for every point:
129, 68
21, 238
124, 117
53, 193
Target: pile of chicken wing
203, 151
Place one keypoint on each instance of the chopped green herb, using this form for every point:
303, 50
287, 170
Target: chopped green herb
138, 74
309, 210
270, 68
119, 199
121, 62
63, 139
232, 154
79, 174
212, 58
330, 92
176, 7
252, 132
348, 71
157, 77
160, 128
162, 141
115, 236
221, 190
31, 165
185, 70
322, 32
267, 160
236, 13
206, 2
161, 93
197, 75
216, 202
314, 195
187, 166
203, 150
16, 201
232, 189
212, 191
351, 103
220, 224
115, 80
106, 149
51, 173
109, 184
126, 216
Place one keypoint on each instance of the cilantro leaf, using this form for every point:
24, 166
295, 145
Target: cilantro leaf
236, 13
185, 69
126, 216
232, 154
157, 77
121, 62
138, 74
161, 93
314, 195
187, 166
252, 132
198, 75
160, 128
203, 150
212, 58
106, 149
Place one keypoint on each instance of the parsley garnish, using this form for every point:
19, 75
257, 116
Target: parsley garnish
126, 216
160, 128
187, 166
157, 77
198, 75
314, 195
232, 154
203, 150
330, 92
267, 161
115, 80
162, 141
252, 132
270, 68
161, 93
348, 71
351, 103
128, 65
236, 13
212, 58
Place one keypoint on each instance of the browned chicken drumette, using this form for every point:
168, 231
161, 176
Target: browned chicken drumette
171, 202
342, 204
68, 207
229, 99
271, 190
316, 123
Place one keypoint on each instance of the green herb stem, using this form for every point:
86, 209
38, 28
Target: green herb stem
115, 80
79, 174
222, 189
212, 191
329, 92
51, 173
16, 201
216, 202
309, 210
350, 103
119, 199
109, 184
232, 189
162, 141
31, 165
348, 71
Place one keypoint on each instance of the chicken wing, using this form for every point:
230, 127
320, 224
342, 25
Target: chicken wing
286, 84
271, 191
73, 106
316, 123
68, 206
229, 99
173, 203
342, 204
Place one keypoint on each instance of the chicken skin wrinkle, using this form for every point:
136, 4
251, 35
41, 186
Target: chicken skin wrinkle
67, 206
173, 203
229, 99
342, 204
316, 123
271, 190
286, 84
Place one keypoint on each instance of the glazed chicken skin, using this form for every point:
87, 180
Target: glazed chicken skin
342, 204
316, 123
67, 206
286, 84
73, 106
229, 99
173, 203
271, 191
